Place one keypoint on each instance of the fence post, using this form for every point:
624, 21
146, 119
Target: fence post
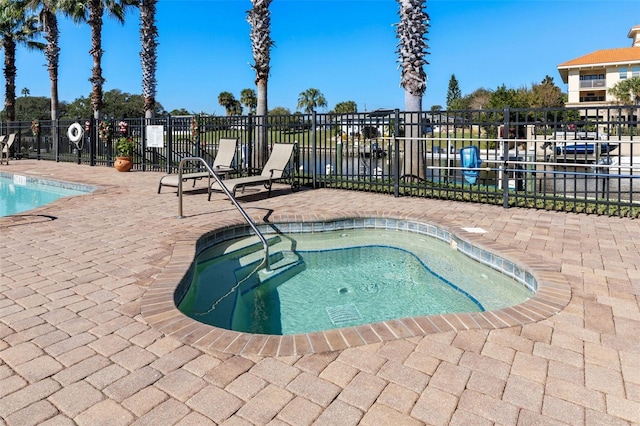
313, 149
56, 142
339, 157
396, 153
38, 144
93, 144
253, 134
505, 158
143, 143
79, 157
169, 151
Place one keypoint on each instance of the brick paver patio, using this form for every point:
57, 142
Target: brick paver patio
77, 347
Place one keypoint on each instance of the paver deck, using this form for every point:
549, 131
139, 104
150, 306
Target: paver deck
77, 347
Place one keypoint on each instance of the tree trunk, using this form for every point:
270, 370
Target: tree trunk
414, 149
262, 111
95, 22
10, 77
148, 55
52, 53
259, 18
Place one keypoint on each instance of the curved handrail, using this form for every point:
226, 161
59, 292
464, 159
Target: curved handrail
253, 226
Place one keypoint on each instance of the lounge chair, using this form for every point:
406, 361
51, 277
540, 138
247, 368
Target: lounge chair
6, 148
272, 171
221, 165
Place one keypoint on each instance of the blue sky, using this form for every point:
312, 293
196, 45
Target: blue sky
344, 48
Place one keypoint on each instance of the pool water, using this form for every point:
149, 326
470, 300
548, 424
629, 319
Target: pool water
19, 193
348, 287
337, 279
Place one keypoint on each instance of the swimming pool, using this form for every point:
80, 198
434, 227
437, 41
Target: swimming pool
344, 274
20, 193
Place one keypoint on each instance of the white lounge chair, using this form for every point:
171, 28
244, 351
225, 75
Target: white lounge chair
221, 165
272, 171
6, 148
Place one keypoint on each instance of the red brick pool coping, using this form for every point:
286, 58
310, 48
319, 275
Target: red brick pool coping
159, 310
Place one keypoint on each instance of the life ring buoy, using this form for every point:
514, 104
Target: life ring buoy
75, 132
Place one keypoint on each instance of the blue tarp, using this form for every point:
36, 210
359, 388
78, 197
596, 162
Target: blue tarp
470, 159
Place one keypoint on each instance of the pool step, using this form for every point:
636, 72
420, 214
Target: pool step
279, 262
288, 259
256, 253
249, 250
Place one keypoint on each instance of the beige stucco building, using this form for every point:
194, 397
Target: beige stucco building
588, 77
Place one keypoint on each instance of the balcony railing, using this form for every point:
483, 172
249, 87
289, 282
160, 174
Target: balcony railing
592, 98
587, 84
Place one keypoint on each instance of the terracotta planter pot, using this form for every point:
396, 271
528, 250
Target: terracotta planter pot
123, 164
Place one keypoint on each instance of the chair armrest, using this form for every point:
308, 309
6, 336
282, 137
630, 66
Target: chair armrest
273, 170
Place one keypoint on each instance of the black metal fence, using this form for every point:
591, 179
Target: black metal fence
568, 159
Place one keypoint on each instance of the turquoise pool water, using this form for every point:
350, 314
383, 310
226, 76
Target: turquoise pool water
337, 279
19, 193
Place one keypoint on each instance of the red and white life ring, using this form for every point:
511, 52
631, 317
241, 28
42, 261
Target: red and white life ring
75, 132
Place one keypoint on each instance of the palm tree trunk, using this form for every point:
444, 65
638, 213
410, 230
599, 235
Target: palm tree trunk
413, 163
52, 53
412, 49
148, 55
95, 22
260, 20
10, 77
261, 122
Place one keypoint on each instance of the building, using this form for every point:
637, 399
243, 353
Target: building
588, 77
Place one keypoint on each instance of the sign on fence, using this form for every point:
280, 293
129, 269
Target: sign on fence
155, 136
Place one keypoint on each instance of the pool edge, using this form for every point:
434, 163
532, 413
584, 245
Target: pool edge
158, 306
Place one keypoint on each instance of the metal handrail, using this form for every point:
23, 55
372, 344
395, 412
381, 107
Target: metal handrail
253, 226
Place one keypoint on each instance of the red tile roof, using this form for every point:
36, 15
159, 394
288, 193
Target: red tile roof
606, 56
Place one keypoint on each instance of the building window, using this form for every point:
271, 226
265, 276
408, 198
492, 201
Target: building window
635, 72
589, 77
623, 73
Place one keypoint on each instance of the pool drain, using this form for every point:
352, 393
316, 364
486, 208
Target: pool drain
343, 313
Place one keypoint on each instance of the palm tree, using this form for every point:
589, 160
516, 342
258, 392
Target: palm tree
346, 107
627, 92
92, 12
412, 48
228, 101
148, 54
248, 98
236, 108
17, 27
49, 24
260, 20
310, 99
